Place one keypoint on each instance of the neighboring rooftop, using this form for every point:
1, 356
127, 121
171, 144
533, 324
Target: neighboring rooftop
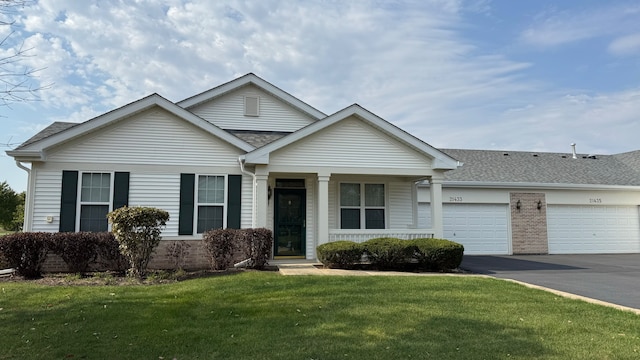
541, 167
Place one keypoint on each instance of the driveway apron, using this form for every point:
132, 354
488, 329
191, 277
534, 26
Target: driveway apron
613, 278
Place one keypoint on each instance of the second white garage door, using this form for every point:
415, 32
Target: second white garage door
483, 229
593, 229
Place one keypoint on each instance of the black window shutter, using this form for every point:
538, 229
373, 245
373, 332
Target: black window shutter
187, 188
120, 190
68, 199
234, 201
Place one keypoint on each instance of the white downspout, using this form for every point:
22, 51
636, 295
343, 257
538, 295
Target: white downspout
253, 193
26, 225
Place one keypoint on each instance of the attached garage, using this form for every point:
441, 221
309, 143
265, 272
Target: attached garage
482, 228
593, 229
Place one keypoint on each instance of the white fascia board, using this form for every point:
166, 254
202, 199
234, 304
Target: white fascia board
259, 82
26, 155
126, 112
529, 185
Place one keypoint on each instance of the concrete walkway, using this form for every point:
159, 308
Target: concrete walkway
306, 268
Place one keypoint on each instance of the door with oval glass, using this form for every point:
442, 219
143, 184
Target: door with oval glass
289, 222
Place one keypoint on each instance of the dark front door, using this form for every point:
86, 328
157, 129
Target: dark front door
290, 222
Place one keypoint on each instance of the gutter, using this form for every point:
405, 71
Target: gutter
531, 185
241, 160
26, 225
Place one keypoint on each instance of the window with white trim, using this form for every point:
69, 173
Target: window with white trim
210, 202
95, 200
362, 212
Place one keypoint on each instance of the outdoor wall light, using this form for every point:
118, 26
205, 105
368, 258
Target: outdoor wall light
539, 204
269, 192
518, 205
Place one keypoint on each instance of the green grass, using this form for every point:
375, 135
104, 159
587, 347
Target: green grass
267, 316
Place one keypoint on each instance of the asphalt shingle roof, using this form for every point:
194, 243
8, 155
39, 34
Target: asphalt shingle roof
50, 130
540, 167
258, 138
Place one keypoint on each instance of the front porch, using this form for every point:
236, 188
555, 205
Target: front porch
364, 235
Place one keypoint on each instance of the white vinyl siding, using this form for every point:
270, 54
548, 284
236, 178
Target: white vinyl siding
228, 112
350, 144
593, 229
246, 214
153, 137
46, 200
161, 191
400, 205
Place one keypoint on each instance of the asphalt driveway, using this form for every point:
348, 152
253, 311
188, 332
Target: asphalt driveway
613, 278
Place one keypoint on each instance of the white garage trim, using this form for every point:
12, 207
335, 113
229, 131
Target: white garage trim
483, 229
593, 229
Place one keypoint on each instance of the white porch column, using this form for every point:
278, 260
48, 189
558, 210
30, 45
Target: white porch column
323, 209
436, 208
261, 201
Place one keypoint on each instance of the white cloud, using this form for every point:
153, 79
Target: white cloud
558, 27
626, 45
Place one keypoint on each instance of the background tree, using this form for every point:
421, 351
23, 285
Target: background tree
17, 83
9, 201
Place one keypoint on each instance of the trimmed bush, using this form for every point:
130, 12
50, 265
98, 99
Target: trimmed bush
78, 250
388, 253
257, 245
340, 254
221, 245
225, 247
137, 230
438, 254
26, 252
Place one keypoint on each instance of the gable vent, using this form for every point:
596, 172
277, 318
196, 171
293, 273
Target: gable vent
251, 106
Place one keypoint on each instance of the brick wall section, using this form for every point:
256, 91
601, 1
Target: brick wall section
529, 224
195, 260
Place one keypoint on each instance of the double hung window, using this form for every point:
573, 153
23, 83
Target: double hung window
210, 202
95, 199
362, 212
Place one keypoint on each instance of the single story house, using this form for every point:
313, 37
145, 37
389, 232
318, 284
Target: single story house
248, 154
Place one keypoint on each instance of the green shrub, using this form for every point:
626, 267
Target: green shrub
438, 254
137, 230
26, 252
340, 254
221, 245
388, 253
78, 250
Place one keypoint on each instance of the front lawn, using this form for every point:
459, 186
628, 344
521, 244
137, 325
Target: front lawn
256, 315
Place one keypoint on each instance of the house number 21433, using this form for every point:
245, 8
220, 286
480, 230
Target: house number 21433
595, 201
455, 198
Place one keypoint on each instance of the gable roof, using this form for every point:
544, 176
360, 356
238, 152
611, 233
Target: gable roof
503, 167
34, 148
441, 160
255, 80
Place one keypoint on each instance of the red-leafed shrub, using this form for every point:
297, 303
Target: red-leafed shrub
221, 245
26, 252
109, 256
78, 250
224, 247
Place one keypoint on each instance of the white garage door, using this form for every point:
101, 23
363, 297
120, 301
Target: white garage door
481, 228
593, 229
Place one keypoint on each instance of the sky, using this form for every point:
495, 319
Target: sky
532, 75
